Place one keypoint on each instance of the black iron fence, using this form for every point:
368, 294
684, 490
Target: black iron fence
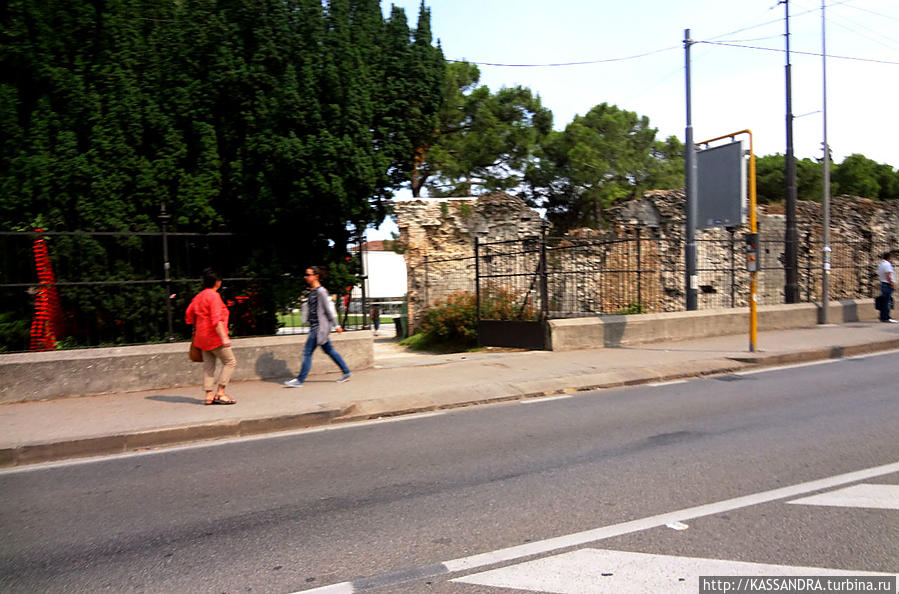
107, 289
556, 277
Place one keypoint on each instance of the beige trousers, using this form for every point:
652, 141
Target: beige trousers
224, 354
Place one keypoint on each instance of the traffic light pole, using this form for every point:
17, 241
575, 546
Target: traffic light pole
691, 191
752, 240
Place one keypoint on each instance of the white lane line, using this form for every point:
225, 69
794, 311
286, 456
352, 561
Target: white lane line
211, 443
671, 383
866, 496
538, 399
785, 367
588, 536
465, 564
341, 588
821, 362
620, 572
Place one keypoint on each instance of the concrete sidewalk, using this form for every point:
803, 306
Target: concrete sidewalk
401, 382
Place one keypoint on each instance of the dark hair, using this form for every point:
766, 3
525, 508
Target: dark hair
210, 277
887, 255
316, 270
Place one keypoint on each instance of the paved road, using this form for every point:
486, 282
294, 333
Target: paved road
406, 504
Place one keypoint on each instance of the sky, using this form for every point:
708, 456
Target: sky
635, 51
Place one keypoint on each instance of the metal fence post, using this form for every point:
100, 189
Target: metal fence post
639, 267
427, 281
477, 285
544, 282
733, 267
364, 277
808, 268
164, 218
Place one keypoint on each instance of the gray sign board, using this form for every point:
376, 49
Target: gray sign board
721, 186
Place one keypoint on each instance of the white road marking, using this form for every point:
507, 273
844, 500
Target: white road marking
588, 536
619, 572
784, 367
211, 443
341, 588
671, 383
866, 496
465, 564
538, 399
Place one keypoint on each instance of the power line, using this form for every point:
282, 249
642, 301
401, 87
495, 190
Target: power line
710, 42
774, 49
872, 35
880, 14
583, 63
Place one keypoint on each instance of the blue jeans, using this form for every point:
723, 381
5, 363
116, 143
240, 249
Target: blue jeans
886, 289
309, 348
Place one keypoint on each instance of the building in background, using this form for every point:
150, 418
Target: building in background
386, 271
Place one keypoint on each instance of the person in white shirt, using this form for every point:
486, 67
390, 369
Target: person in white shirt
886, 275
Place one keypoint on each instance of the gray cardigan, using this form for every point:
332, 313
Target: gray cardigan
327, 316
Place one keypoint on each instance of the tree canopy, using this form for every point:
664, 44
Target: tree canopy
605, 156
483, 139
856, 175
289, 122
252, 116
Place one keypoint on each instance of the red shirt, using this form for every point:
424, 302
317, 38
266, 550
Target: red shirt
205, 311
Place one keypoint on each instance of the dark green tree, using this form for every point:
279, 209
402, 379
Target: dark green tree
599, 159
288, 121
770, 186
859, 176
483, 140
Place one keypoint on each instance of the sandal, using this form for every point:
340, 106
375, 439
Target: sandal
229, 400
210, 400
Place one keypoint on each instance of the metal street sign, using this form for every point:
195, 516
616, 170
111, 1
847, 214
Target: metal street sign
721, 186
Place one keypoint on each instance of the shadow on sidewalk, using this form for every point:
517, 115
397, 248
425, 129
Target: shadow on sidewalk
177, 399
274, 371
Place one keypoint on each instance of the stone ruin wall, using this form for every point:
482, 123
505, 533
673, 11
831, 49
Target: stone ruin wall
445, 229
870, 225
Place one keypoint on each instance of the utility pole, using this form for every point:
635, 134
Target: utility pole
791, 237
691, 190
825, 198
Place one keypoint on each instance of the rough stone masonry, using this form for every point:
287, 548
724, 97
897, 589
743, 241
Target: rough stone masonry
439, 234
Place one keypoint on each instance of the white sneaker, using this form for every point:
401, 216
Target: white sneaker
344, 378
892, 321
293, 383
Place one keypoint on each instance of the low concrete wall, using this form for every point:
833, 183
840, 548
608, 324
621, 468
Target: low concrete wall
59, 374
615, 330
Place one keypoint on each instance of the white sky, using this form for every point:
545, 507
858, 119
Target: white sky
733, 88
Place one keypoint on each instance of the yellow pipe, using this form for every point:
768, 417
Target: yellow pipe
753, 228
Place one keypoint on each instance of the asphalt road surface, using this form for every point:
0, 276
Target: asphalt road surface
592, 492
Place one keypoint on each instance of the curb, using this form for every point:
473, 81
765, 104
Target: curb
378, 408
831, 352
155, 438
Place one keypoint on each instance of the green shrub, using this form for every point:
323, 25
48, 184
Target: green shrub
452, 325
633, 308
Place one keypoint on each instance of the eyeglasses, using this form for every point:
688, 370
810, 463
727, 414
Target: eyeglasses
310, 274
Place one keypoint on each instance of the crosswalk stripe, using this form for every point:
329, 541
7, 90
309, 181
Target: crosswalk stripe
581, 538
602, 571
542, 547
865, 495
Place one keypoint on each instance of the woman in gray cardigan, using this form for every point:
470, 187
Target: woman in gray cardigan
322, 318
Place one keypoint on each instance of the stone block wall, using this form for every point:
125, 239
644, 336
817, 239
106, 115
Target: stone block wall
444, 231
605, 271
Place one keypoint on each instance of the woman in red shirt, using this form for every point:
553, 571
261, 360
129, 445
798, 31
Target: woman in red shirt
209, 316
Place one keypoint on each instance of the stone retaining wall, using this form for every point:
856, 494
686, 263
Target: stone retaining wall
59, 374
618, 331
